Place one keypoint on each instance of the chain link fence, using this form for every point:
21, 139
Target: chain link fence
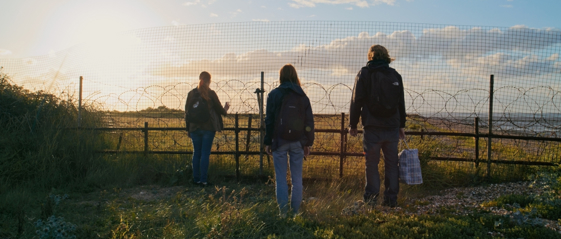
144, 76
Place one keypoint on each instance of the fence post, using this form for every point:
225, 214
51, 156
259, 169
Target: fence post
342, 149
476, 127
491, 92
237, 155
248, 137
261, 124
120, 140
145, 138
80, 103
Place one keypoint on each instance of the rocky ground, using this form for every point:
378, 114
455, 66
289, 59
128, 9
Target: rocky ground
463, 201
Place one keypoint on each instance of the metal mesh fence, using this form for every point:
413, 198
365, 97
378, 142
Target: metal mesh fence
144, 76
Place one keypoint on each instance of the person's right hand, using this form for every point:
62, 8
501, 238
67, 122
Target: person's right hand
268, 150
227, 106
353, 132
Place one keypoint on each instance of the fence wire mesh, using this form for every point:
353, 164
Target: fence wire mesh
144, 76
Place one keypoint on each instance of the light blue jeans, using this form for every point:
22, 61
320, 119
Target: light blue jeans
281, 162
202, 144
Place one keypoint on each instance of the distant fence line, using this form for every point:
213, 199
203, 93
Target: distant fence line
242, 144
446, 71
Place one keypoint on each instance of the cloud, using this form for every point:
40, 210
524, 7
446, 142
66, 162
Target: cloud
358, 3
506, 6
260, 20
29, 61
192, 3
235, 13
513, 51
175, 23
4, 52
349, 8
213, 15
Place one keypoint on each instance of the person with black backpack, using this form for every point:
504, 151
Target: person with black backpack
203, 118
289, 126
378, 98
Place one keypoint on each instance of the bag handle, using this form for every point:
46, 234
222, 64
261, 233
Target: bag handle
405, 141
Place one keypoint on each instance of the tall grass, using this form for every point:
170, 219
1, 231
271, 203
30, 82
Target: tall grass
37, 150
41, 156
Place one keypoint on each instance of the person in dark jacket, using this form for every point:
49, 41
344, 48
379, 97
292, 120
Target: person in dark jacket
202, 134
379, 132
279, 148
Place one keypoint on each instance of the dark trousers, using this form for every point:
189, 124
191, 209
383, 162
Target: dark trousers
376, 139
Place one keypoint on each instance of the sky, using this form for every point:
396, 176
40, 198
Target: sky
135, 54
41, 27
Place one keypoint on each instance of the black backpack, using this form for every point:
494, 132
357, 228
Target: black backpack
198, 110
290, 121
384, 92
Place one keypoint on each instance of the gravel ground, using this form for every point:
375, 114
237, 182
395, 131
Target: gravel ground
463, 201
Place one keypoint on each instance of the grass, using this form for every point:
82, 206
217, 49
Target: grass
136, 196
248, 210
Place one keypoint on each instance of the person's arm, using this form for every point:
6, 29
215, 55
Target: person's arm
270, 116
357, 102
309, 130
187, 101
217, 105
401, 107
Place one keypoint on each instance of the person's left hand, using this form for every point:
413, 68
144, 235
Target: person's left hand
268, 150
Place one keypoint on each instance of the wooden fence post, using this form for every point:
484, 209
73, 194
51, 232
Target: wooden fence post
80, 103
489, 156
145, 138
476, 126
237, 156
342, 148
248, 138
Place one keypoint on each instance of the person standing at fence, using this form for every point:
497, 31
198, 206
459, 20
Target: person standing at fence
203, 118
378, 98
289, 125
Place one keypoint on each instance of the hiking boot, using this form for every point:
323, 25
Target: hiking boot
389, 203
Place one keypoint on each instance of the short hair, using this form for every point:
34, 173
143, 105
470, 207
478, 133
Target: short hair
378, 52
288, 74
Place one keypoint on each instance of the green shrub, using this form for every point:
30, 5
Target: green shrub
36, 148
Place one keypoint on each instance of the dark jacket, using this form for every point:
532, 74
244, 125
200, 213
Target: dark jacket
274, 102
358, 102
216, 112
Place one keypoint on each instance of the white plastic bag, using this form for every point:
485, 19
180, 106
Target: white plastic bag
410, 166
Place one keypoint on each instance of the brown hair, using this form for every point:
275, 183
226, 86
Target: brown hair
204, 84
288, 74
378, 52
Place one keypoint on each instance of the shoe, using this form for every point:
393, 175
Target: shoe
204, 184
389, 203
